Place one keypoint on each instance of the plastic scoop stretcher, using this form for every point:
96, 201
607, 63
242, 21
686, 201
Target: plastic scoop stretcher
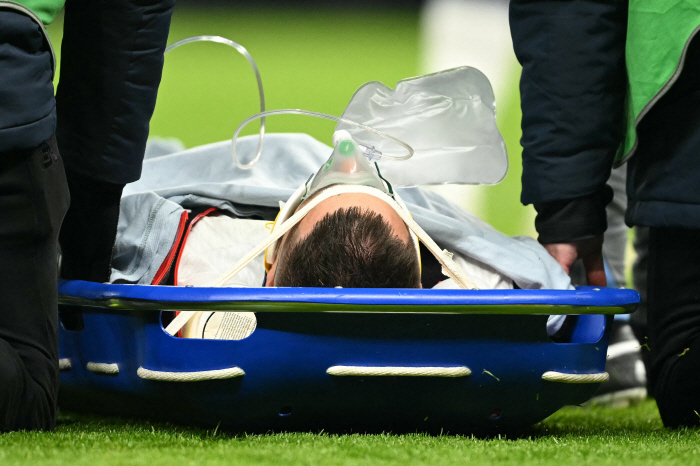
336, 359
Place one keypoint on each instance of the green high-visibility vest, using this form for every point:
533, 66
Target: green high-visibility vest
46, 10
658, 35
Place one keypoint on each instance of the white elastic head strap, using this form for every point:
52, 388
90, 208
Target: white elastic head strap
449, 267
287, 210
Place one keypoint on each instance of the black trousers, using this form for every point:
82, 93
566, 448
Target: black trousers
674, 323
33, 200
111, 66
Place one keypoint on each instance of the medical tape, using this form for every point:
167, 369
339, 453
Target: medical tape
449, 267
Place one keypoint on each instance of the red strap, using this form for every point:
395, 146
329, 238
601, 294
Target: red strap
163, 269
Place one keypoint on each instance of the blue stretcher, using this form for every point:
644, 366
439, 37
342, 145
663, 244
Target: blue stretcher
336, 359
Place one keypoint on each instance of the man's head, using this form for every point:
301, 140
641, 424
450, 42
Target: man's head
352, 240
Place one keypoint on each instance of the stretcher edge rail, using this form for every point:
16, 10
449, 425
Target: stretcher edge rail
582, 300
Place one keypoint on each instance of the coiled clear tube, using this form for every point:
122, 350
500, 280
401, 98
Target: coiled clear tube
296, 111
242, 50
370, 152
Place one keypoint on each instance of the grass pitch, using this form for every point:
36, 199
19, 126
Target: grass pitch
595, 436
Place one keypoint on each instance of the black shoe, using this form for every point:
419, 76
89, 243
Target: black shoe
627, 384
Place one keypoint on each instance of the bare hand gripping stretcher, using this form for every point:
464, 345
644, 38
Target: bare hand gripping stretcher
356, 359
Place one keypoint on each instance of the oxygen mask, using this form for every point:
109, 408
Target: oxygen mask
347, 165
440, 126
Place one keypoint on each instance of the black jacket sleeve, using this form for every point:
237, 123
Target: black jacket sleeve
573, 90
111, 65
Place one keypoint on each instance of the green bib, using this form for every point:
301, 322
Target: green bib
658, 35
46, 10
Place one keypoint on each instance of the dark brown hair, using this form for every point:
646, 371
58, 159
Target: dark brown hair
352, 248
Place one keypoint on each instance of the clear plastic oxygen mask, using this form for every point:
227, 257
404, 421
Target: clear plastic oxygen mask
441, 127
346, 165
448, 118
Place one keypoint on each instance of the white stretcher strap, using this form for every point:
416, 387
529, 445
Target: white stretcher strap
565, 377
394, 371
197, 376
64, 364
179, 321
103, 368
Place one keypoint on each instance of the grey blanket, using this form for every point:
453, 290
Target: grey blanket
206, 176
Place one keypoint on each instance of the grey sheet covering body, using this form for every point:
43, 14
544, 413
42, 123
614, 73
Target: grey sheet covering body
206, 176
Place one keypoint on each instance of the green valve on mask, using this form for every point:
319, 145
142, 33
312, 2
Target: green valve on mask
346, 147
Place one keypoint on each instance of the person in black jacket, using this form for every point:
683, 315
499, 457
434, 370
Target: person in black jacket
574, 91
112, 59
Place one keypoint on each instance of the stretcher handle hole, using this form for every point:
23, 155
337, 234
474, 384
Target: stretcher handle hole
581, 329
71, 318
285, 411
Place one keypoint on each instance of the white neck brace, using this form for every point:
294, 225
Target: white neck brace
449, 267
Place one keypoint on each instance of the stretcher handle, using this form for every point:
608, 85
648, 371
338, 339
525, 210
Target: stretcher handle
112, 297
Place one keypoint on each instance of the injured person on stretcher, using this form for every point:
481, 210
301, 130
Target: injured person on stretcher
193, 217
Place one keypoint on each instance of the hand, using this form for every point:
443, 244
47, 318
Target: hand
590, 251
89, 228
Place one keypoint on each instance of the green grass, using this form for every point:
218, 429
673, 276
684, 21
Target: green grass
595, 436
